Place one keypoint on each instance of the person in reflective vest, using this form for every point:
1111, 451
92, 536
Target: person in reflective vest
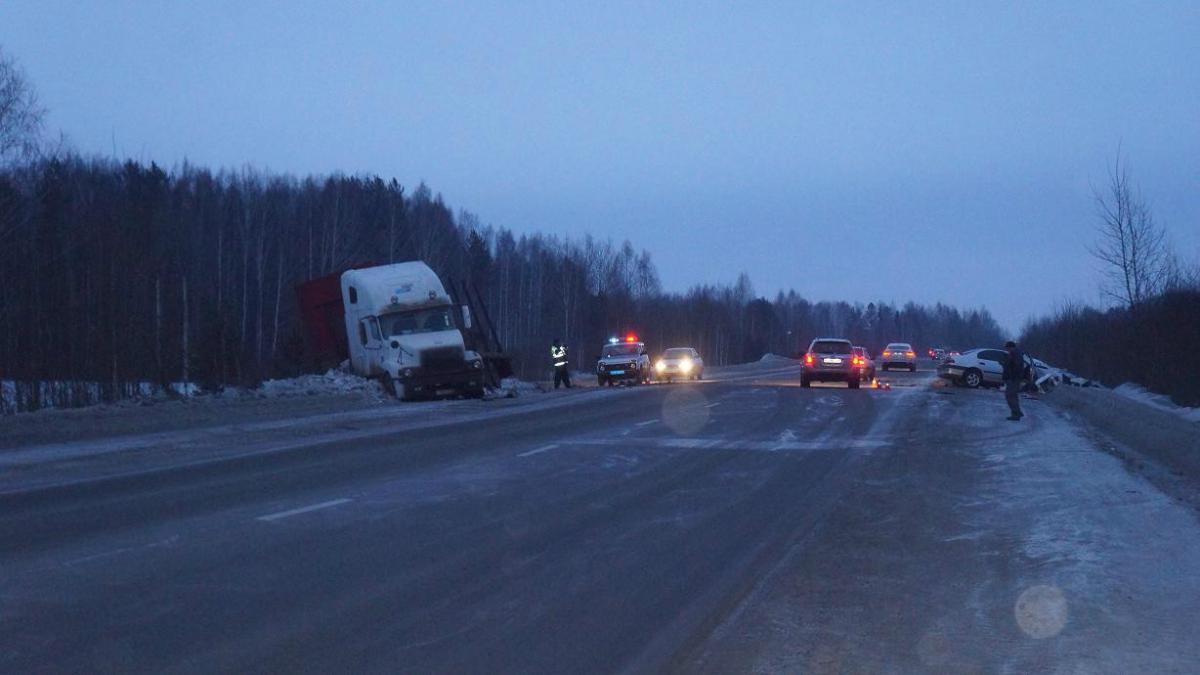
558, 354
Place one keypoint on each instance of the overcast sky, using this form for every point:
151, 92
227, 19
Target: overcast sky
926, 152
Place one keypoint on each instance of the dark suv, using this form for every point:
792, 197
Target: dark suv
831, 360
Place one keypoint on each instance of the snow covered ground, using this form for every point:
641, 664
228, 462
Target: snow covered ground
1140, 394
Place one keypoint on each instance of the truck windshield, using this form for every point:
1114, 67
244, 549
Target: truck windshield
417, 321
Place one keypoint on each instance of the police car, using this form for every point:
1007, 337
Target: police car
623, 361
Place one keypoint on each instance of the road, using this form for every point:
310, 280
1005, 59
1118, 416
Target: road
738, 525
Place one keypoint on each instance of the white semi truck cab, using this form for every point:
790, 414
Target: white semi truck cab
403, 328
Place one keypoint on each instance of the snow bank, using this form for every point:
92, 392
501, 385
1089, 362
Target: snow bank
334, 381
511, 387
1141, 394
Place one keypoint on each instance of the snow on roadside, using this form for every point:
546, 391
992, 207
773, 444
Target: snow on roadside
511, 387
333, 381
1138, 393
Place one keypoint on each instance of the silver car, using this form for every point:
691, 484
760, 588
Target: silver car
679, 363
980, 367
899, 355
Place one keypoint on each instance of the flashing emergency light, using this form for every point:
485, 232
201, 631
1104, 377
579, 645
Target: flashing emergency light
613, 340
631, 338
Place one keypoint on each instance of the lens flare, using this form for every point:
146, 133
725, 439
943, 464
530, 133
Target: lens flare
1041, 611
685, 411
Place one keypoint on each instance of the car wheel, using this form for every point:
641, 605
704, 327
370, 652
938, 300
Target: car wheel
805, 382
853, 383
972, 378
912, 368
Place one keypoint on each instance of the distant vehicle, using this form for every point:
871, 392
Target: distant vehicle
937, 353
403, 329
831, 360
868, 373
983, 367
623, 361
679, 363
899, 355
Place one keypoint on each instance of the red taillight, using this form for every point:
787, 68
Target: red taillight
909, 354
857, 361
808, 359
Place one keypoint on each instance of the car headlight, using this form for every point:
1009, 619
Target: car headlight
660, 366
685, 365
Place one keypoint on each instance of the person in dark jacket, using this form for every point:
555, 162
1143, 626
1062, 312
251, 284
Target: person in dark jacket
558, 355
1014, 377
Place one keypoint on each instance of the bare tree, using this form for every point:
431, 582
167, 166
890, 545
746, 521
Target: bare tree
20, 113
1132, 247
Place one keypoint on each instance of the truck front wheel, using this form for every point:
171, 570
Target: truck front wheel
395, 387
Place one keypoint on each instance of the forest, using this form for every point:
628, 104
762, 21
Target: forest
117, 274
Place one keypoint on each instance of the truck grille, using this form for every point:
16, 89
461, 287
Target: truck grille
442, 359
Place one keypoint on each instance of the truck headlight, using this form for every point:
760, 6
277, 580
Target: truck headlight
660, 366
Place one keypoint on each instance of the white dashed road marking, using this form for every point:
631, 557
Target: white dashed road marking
535, 451
303, 509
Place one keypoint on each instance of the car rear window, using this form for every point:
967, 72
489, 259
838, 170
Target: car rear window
900, 347
831, 347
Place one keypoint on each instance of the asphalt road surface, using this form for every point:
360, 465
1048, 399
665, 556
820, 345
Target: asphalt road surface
743, 525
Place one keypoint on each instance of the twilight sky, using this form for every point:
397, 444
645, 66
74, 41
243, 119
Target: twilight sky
940, 151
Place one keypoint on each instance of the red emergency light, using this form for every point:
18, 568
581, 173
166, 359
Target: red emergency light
631, 338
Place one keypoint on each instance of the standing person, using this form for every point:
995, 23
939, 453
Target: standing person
558, 354
1014, 377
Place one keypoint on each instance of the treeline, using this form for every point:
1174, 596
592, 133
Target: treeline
1149, 337
1153, 343
124, 273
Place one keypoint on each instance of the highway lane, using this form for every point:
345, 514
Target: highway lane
728, 526
592, 537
